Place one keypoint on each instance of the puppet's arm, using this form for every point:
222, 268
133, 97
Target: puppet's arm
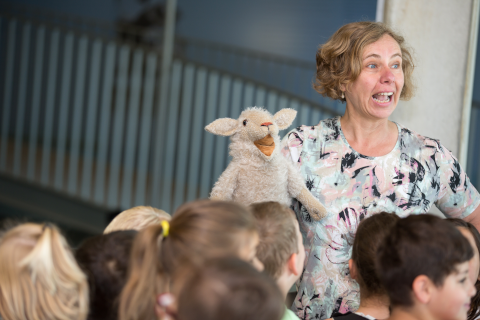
297, 189
226, 184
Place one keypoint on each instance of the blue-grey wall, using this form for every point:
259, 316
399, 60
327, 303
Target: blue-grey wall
284, 27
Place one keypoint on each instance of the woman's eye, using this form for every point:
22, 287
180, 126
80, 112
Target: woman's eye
371, 66
463, 280
396, 66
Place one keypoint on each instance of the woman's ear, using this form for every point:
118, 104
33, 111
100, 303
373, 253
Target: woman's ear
353, 269
423, 288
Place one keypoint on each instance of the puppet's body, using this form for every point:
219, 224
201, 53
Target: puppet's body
258, 172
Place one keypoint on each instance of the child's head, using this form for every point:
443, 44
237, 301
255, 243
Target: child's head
471, 233
104, 259
423, 263
228, 288
281, 244
370, 234
39, 277
137, 218
198, 230
473, 236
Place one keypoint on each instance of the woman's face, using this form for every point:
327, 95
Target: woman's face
474, 263
376, 91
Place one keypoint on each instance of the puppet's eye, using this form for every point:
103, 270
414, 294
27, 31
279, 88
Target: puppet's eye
245, 122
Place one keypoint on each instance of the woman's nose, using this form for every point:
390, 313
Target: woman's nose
387, 77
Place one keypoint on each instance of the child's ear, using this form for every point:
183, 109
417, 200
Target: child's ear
422, 288
222, 127
292, 264
284, 118
353, 269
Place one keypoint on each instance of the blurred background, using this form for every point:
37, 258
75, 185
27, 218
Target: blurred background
103, 104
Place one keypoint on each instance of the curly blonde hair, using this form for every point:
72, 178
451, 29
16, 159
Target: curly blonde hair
339, 60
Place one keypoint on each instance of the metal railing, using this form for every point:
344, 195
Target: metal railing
81, 114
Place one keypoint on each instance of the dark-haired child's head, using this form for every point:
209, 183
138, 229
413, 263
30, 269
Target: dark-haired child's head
473, 236
228, 288
370, 234
104, 259
424, 261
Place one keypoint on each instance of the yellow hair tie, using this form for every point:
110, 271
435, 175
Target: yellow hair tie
165, 227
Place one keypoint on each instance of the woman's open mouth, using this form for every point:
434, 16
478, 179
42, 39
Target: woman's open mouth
383, 97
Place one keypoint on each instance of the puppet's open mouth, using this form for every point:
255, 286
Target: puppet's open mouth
266, 145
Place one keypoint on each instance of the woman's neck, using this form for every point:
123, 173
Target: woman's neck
370, 137
376, 307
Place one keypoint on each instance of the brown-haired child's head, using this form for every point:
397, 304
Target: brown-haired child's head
198, 230
137, 218
369, 236
424, 249
228, 288
279, 236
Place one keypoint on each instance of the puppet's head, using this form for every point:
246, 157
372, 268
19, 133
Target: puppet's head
256, 128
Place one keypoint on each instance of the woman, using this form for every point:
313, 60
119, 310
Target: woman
362, 163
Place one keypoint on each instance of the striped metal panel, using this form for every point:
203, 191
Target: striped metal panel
36, 96
64, 110
21, 101
91, 122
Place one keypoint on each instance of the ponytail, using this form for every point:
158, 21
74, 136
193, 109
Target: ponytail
137, 300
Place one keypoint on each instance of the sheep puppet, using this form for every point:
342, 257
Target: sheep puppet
258, 172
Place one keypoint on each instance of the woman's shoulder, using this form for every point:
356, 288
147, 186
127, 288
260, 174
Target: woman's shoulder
410, 139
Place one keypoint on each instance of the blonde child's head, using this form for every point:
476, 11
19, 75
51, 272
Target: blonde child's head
137, 218
39, 277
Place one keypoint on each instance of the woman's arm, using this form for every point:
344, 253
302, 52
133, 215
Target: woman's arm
474, 218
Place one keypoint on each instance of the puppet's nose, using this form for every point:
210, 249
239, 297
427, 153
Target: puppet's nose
266, 124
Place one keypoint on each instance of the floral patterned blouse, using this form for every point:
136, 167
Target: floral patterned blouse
416, 174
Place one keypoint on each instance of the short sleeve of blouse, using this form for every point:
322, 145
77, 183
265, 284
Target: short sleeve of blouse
457, 197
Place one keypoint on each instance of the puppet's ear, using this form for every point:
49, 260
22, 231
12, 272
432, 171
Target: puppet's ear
222, 127
284, 118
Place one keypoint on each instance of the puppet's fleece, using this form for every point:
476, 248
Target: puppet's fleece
258, 172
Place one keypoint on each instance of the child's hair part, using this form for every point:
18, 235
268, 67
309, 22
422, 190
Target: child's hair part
278, 236
104, 258
229, 288
198, 230
137, 218
474, 312
419, 245
370, 234
39, 277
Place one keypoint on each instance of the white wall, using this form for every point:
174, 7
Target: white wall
438, 31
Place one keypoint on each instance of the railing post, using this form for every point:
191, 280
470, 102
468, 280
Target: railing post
168, 42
